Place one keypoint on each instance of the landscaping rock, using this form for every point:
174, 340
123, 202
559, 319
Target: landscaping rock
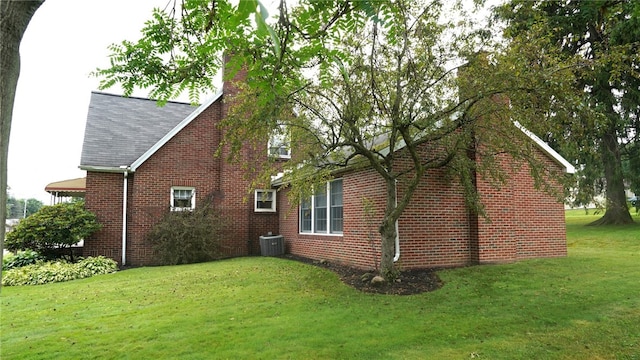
378, 281
366, 277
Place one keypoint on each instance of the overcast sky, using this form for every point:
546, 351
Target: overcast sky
65, 41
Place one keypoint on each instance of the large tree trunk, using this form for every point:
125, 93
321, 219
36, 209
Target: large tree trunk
388, 233
14, 18
617, 211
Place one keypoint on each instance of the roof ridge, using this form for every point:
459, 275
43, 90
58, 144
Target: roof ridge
138, 97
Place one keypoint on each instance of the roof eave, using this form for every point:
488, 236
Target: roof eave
107, 169
568, 168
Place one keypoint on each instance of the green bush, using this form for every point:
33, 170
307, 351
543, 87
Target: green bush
96, 265
58, 271
53, 229
20, 259
184, 237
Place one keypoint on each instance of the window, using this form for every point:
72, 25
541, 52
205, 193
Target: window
279, 144
323, 212
305, 216
320, 211
265, 201
183, 198
336, 206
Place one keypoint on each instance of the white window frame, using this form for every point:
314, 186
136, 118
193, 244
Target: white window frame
182, 188
258, 194
280, 142
327, 206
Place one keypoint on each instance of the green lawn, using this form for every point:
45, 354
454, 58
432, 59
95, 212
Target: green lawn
585, 306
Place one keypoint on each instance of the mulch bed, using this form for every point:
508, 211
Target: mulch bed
409, 282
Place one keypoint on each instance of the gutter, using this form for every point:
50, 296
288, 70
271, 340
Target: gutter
124, 213
396, 257
107, 169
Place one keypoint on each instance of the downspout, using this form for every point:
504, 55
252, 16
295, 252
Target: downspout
397, 255
124, 216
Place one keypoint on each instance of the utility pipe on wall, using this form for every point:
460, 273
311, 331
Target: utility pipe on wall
124, 217
397, 255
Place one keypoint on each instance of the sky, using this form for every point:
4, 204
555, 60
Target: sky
65, 41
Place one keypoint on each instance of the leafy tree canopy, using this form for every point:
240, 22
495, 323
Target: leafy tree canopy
601, 133
16, 207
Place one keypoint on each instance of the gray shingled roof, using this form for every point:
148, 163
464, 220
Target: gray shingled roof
119, 129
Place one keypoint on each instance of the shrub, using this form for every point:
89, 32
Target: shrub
20, 259
58, 271
52, 229
6, 258
96, 265
184, 237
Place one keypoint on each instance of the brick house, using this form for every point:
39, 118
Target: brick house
436, 229
143, 160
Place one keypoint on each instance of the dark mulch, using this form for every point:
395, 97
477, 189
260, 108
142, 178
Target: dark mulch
409, 282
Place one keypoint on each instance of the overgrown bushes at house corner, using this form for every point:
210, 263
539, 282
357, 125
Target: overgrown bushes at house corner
53, 229
184, 237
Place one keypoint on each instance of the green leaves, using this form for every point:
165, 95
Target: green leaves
58, 271
246, 7
599, 41
180, 48
52, 227
184, 237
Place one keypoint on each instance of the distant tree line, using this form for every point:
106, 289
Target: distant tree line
16, 207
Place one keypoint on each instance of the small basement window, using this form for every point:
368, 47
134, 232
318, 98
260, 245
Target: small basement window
265, 201
183, 198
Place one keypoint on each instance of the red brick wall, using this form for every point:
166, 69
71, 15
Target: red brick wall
359, 246
436, 228
353, 248
185, 160
523, 222
260, 223
104, 199
245, 225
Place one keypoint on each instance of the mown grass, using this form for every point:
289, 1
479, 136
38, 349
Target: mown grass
585, 306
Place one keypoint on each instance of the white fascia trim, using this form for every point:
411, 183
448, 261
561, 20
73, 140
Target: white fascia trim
175, 131
568, 168
109, 169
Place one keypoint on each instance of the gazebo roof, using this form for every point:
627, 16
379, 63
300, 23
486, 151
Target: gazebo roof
72, 187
